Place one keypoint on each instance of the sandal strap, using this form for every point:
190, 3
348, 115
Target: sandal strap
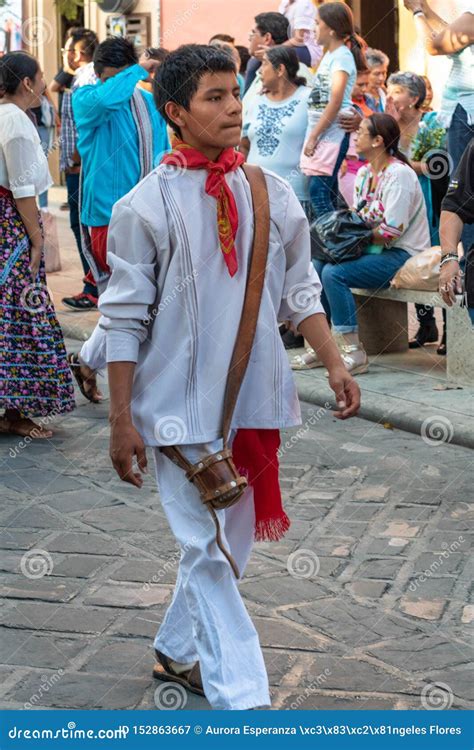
165, 662
194, 676
349, 348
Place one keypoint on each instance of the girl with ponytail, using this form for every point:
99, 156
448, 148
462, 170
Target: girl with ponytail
394, 207
326, 142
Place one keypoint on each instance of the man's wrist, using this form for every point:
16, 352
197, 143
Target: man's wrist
121, 418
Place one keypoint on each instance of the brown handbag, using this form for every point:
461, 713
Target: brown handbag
215, 476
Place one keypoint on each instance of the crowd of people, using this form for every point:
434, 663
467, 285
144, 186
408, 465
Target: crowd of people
313, 94
152, 149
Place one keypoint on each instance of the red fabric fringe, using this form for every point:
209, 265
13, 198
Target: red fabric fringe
255, 456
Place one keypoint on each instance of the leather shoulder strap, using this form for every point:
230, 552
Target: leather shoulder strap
253, 292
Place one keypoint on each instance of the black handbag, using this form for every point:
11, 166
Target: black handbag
341, 235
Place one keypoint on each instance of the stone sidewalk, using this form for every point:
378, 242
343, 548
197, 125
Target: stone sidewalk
364, 604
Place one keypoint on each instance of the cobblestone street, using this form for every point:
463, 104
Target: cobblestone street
364, 604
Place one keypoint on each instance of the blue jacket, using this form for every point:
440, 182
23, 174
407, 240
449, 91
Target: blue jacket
108, 141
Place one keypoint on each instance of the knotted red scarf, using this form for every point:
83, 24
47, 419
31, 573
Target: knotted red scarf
254, 450
183, 155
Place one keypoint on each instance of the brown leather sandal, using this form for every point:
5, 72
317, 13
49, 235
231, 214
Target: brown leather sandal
191, 680
91, 381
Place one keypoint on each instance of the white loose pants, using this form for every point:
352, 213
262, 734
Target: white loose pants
207, 619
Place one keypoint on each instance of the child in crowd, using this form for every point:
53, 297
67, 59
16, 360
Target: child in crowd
352, 162
326, 142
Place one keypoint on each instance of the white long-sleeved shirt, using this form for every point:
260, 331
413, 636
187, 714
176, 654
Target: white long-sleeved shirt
172, 307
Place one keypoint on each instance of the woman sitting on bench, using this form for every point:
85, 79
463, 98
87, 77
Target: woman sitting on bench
395, 208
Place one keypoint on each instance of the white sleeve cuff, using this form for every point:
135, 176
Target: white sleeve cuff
297, 319
122, 346
25, 191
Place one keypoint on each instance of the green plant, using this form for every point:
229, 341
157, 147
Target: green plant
69, 8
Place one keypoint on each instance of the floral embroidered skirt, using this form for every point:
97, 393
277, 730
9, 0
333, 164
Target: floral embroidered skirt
35, 378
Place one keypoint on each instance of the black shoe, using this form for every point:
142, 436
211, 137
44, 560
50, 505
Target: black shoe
426, 334
442, 346
81, 302
290, 341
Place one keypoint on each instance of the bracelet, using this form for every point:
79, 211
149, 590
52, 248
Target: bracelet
447, 258
418, 13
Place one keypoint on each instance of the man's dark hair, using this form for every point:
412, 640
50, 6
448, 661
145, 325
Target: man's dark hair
222, 38
86, 39
115, 52
275, 24
177, 78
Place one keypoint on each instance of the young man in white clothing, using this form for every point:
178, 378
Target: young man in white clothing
171, 312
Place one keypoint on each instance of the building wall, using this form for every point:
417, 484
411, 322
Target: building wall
185, 21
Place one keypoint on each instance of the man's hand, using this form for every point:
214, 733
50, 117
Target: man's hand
351, 122
148, 63
347, 392
260, 51
450, 282
125, 443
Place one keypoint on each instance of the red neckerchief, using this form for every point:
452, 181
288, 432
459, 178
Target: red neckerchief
183, 155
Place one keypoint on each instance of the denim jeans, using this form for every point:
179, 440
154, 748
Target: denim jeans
323, 189
459, 135
367, 272
72, 184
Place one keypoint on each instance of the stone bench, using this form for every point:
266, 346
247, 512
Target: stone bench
383, 327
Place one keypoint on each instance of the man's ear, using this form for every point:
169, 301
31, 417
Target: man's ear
173, 112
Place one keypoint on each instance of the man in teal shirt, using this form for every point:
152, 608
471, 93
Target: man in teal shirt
121, 137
